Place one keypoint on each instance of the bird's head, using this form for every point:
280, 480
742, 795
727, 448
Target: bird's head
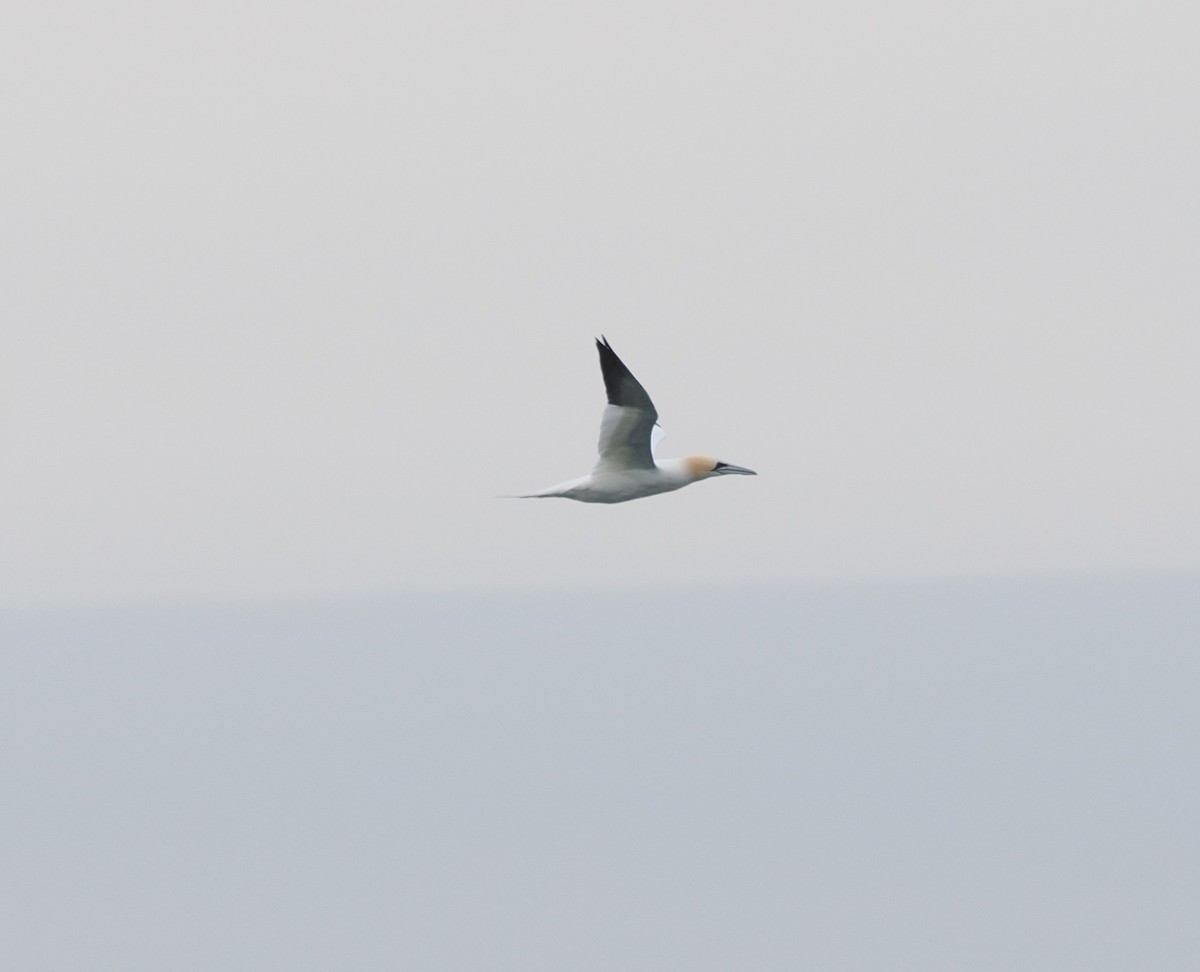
704, 467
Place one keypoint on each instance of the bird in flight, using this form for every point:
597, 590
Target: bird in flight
629, 431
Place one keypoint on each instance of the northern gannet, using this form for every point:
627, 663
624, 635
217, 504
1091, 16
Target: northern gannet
629, 431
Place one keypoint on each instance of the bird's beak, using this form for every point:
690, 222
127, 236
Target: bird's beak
728, 469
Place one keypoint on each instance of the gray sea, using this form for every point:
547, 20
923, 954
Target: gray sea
938, 775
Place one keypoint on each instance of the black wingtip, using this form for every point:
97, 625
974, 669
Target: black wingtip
619, 384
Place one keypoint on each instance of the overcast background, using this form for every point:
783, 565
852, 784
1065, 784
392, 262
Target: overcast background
290, 293
985, 775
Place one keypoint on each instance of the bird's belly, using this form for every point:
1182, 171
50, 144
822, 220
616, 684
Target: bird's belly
619, 487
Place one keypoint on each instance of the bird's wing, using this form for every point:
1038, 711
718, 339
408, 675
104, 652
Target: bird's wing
657, 434
628, 418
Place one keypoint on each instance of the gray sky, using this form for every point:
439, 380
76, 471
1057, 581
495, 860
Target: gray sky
289, 294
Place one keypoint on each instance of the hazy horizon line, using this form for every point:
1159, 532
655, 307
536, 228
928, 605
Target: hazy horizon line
667, 587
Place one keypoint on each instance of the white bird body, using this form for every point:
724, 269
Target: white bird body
619, 485
629, 430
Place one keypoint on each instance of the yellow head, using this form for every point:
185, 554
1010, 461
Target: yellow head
702, 467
